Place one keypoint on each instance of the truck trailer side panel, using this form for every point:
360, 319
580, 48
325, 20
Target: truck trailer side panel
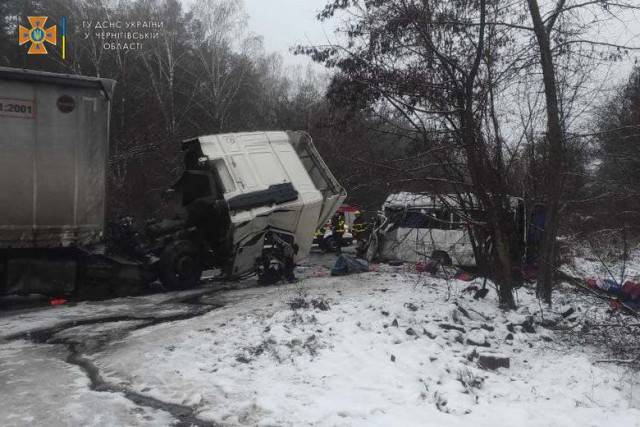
54, 143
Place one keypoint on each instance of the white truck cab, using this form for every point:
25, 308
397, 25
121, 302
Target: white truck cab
239, 189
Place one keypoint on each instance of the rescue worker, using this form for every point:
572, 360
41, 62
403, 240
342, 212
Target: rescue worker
359, 227
337, 226
319, 237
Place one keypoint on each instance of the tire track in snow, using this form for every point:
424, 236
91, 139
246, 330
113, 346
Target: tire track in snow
185, 415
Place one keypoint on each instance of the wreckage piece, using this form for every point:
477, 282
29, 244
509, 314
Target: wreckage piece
620, 295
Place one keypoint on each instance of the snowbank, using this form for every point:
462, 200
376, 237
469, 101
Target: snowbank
375, 349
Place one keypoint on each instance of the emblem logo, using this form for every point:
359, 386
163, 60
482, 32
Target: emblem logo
37, 35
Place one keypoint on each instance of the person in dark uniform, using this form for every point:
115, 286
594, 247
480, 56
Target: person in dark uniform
360, 227
337, 225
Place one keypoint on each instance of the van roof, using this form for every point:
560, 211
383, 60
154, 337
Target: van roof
406, 200
68, 80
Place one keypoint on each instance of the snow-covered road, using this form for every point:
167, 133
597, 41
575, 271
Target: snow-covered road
382, 348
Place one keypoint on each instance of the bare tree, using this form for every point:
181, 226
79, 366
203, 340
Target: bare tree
554, 40
223, 56
446, 70
440, 68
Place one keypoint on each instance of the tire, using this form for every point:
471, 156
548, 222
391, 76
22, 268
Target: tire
441, 258
180, 265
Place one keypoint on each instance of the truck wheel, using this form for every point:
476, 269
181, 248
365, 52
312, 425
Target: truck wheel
180, 265
441, 258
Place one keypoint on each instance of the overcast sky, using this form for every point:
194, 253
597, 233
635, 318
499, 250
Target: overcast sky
285, 23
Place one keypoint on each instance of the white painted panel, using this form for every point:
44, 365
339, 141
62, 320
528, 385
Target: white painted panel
268, 168
242, 170
296, 172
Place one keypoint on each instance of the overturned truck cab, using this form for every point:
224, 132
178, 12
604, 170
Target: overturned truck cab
251, 203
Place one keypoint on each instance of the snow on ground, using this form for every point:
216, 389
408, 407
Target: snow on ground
380, 348
592, 263
40, 388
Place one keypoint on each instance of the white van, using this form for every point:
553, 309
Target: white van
422, 227
419, 227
